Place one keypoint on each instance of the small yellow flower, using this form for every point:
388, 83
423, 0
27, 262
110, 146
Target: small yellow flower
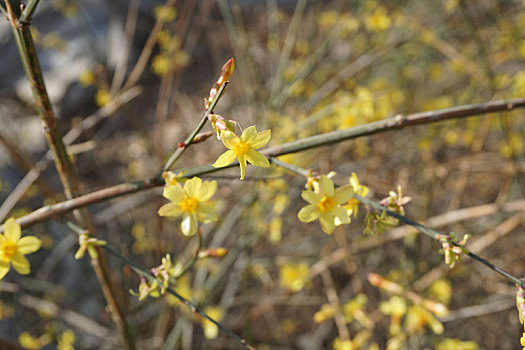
13, 248
352, 206
326, 205
340, 344
211, 331
102, 97
294, 277
191, 202
243, 148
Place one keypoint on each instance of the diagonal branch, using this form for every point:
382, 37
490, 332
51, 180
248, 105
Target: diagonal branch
394, 123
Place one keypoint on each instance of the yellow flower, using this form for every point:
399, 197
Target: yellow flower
192, 202
243, 148
294, 277
102, 97
340, 344
211, 331
353, 204
13, 248
326, 205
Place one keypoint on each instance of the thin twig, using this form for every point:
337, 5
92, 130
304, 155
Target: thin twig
69, 138
137, 70
143, 272
29, 10
178, 152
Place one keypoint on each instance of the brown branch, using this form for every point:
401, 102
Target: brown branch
65, 168
394, 123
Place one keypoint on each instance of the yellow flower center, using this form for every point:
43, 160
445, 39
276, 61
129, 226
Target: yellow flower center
8, 250
326, 204
241, 148
189, 204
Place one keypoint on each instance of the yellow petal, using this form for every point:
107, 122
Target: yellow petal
226, 158
206, 213
191, 187
342, 215
249, 135
343, 194
28, 245
4, 269
20, 264
174, 193
257, 159
12, 230
189, 224
311, 197
80, 252
242, 164
229, 139
327, 222
262, 139
354, 181
170, 209
326, 187
206, 191
308, 213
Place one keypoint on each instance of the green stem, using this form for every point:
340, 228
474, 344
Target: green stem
144, 273
426, 230
29, 10
178, 152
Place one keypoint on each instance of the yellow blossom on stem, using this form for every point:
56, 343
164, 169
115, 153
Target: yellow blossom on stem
325, 205
243, 148
191, 202
352, 206
211, 331
13, 248
294, 277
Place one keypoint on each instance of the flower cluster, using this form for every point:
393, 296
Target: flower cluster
163, 273
452, 251
377, 222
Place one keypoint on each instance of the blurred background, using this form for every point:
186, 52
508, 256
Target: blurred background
302, 68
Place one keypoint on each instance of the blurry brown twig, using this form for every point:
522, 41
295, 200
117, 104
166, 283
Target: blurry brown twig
143, 59
73, 134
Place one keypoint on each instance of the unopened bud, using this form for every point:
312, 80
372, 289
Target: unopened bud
213, 253
385, 284
227, 71
201, 137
